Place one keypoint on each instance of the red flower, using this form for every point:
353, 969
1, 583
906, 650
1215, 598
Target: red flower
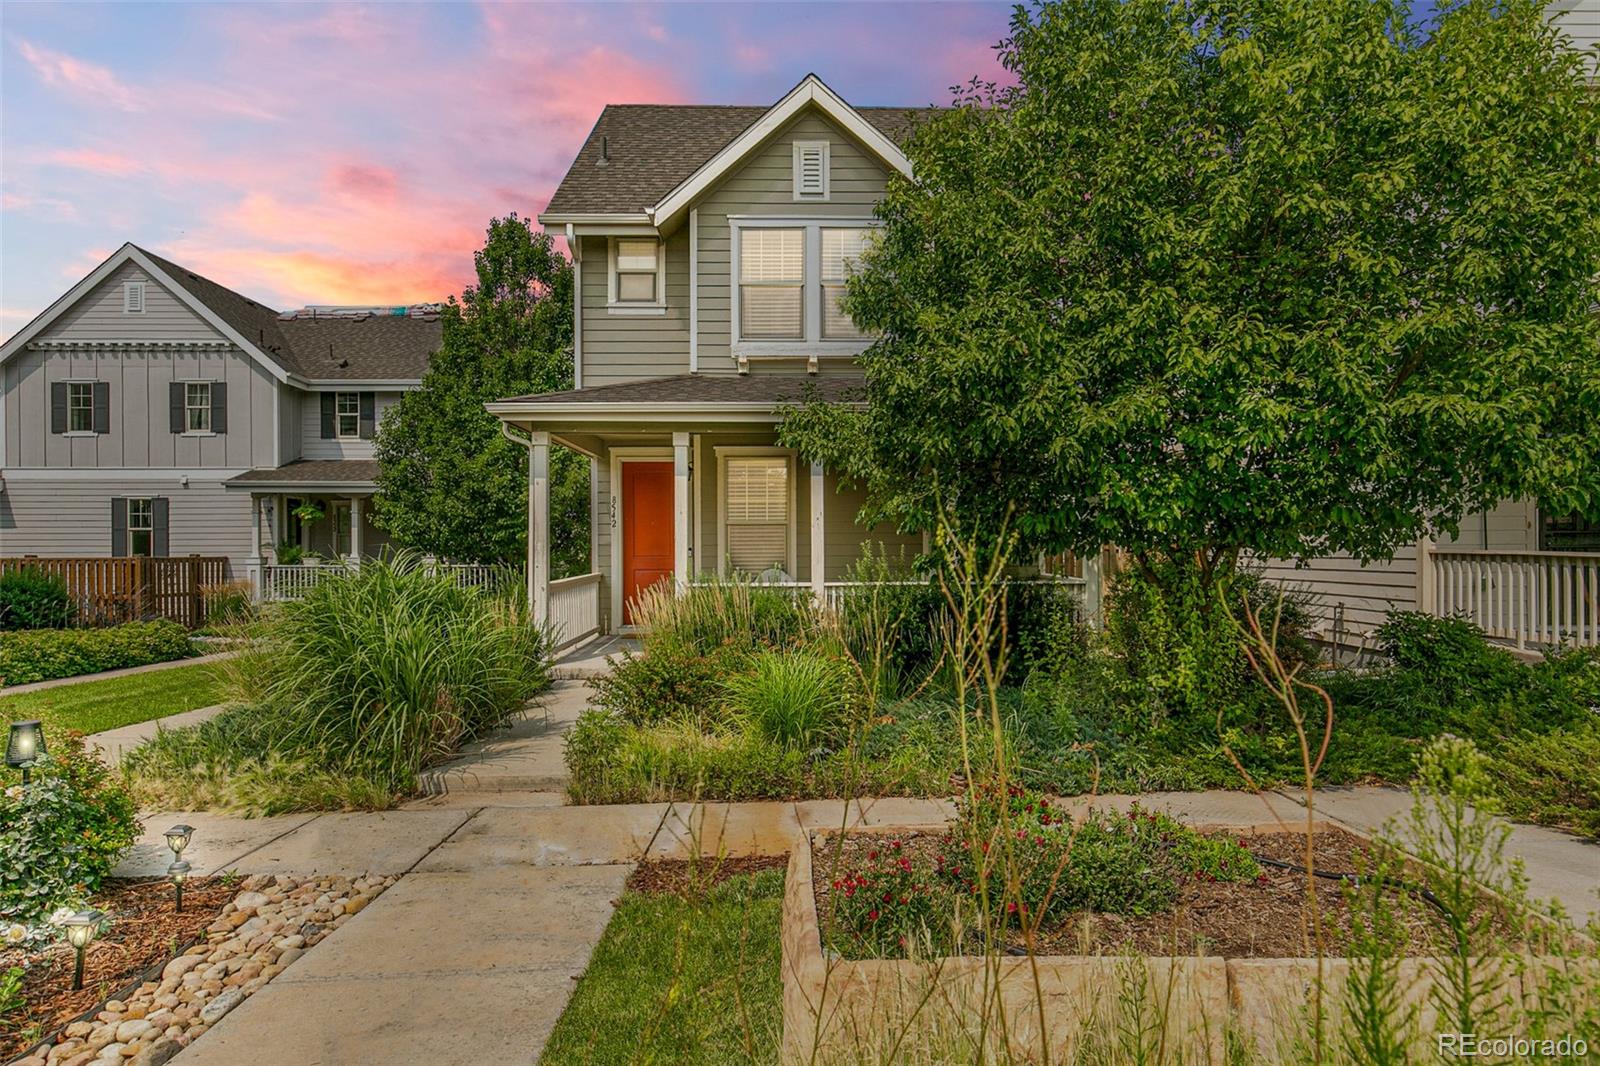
872, 916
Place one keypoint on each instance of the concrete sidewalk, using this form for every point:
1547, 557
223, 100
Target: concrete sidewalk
527, 757
114, 742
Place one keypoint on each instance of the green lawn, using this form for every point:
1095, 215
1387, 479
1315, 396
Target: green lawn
94, 706
681, 981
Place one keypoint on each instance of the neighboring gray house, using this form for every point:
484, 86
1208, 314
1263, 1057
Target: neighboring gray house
152, 411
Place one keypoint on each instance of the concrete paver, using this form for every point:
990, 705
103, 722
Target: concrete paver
1213, 807
727, 829
113, 743
527, 756
384, 842
219, 841
554, 836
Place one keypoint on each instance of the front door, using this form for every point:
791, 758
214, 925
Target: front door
646, 529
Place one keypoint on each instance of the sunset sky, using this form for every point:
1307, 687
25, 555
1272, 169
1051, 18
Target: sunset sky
355, 153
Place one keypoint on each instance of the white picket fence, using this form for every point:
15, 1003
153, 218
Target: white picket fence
1538, 598
278, 583
574, 608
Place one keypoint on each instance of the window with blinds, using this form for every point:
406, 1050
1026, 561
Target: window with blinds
756, 501
841, 249
772, 266
636, 271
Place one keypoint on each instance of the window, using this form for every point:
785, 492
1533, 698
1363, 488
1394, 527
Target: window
347, 414
771, 281
133, 297
1568, 533
197, 407
841, 249
757, 514
80, 407
341, 529
810, 170
141, 527
636, 281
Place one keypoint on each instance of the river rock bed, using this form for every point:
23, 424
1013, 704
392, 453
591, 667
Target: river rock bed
271, 922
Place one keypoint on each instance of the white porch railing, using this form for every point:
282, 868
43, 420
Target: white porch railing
292, 582
1525, 597
574, 608
835, 592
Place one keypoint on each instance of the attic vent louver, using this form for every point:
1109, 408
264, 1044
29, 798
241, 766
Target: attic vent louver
811, 170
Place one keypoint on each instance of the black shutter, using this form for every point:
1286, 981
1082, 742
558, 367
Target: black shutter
327, 415
175, 405
369, 414
119, 526
102, 407
219, 407
158, 526
58, 407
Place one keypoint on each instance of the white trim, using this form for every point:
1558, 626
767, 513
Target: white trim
186, 382
799, 149
594, 218
725, 452
615, 306
107, 473
680, 509
811, 345
819, 535
539, 527
357, 384
337, 414
697, 466
575, 249
304, 488
641, 411
657, 453
694, 290
129, 253
811, 91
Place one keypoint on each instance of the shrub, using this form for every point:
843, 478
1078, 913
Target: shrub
1552, 778
797, 699
611, 761
229, 603
371, 676
61, 835
33, 599
40, 655
669, 682
1449, 655
716, 612
895, 902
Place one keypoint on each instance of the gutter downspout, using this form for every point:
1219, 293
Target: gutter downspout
575, 250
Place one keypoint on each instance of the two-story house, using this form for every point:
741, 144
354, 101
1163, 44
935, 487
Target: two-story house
711, 245
151, 411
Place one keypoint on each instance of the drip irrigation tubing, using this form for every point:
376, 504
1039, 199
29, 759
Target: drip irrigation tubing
1358, 879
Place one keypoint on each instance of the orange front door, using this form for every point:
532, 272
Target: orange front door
646, 529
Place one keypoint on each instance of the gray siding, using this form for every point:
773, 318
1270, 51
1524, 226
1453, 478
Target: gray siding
628, 347
73, 516
98, 316
313, 446
1580, 20
289, 400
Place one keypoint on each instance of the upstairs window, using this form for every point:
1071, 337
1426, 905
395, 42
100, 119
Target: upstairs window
841, 250
347, 414
133, 297
80, 407
810, 170
638, 275
197, 407
771, 283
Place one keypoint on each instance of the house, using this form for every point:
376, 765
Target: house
152, 411
711, 245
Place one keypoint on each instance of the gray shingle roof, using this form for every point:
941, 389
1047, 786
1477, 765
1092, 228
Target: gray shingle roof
652, 148
770, 388
353, 472
377, 347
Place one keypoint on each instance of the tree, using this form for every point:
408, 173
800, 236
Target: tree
448, 481
1224, 276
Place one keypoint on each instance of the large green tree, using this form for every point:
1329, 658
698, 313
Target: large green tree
1278, 276
448, 481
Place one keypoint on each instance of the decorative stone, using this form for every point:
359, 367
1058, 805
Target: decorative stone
212, 1012
250, 900
180, 966
158, 1054
132, 1030
289, 956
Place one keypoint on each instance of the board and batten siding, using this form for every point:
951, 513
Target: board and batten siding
314, 446
54, 516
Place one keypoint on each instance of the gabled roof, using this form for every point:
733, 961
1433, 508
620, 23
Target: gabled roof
340, 348
652, 151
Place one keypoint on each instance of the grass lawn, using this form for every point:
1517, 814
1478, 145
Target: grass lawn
679, 980
94, 706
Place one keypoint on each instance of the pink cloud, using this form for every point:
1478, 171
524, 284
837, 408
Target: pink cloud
59, 70
363, 180
96, 162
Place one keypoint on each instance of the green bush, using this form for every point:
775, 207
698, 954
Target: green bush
43, 654
33, 599
797, 699
368, 677
715, 612
61, 834
669, 682
1449, 655
1552, 778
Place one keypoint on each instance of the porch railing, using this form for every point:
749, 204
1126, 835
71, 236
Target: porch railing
1542, 598
574, 608
291, 582
835, 593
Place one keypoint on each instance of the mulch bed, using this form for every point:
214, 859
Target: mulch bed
676, 877
1268, 918
144, 931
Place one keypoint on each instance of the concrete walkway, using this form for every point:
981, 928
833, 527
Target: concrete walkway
527, 757
107, 675
470, 957
591, 657
114, 742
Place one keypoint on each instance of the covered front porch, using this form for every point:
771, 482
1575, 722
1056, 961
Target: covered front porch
310, 520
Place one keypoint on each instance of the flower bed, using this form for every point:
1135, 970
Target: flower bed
247, 933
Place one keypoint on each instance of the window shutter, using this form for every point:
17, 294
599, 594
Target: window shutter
327, 415
58, 407
811, 170
158, 526
119, 526
102, 407
369, 414
219, 407
175, 405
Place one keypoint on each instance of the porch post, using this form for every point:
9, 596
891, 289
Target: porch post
819, 555
355, 531
539, 526
680, 510
1425, 575
254, 563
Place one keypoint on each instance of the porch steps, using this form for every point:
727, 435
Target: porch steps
526, 756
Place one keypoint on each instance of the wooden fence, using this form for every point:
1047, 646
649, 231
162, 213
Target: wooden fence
112, 590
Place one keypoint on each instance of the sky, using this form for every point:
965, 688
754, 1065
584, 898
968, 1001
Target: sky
354, 153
